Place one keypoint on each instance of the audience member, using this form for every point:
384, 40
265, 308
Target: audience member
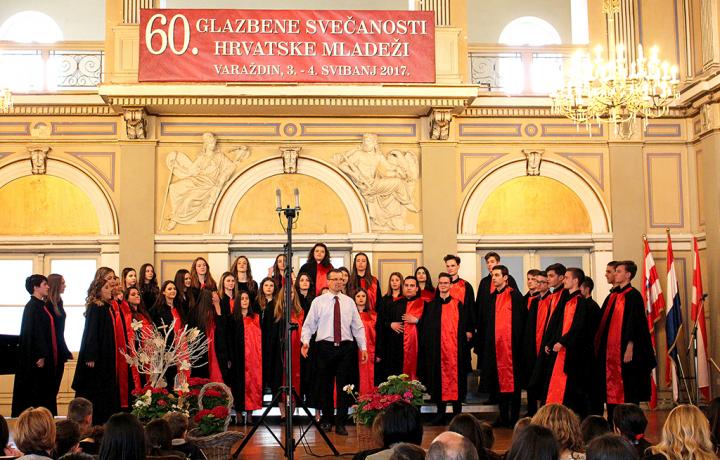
124, 439
407, 451
630, 422
77, 456
35, 433
8, 450
80, 411
713, 415
611, 447
67, 437
534, 442
158, 439
565, 425
451, 446
685, 436
594, 426
488, 439
401, 423
519, 425
376, 434
178, 428
469, 426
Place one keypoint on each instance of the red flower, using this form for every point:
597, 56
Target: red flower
220, 412
162, 402
213, 394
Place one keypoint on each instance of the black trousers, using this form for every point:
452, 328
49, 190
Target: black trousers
335, 365
509, 407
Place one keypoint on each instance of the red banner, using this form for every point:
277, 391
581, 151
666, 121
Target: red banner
330, 46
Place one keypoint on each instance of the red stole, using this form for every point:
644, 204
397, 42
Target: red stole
213, 365
146, 331
410, 338
457, 290
53, 334
232, 306
449, 350
121, 365
503, 341
530, 299
178, 328
253, 363
427, 294
371, 292
554, 300
558, 379
298, 318
614, 355
367, 370
321, 277
540, 322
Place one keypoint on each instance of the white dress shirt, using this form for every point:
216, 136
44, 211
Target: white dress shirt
321, 316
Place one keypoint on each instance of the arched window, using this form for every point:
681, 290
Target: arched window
30, 27
545, 68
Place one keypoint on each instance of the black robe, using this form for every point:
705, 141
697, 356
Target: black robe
306, 363
218, 339
310, 268
489, 381
429, 354
383, 337
35, 386
250, 288
576, 349
64, 354
395, 343
163, 316
266, 316
273, 351
149, 294
235, 343
635, 374
99, 383
482, 306
530, 346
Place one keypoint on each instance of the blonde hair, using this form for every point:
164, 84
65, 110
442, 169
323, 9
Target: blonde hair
35, 430
280, 304
685, 435
564, 424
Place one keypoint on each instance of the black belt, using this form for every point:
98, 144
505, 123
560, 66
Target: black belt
331, 342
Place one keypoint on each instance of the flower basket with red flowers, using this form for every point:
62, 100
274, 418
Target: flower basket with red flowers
151, 403
212, 420
396, 388
195, 384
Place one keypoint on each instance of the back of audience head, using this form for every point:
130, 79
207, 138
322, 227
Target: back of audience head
564, 424
713, 415
407, 451
469, 426
685, 434
519, 425
451, 446
4, 433
178, 424
77, 456
629, 421
611, 446
376, 430
35, 430
124, 439
594, 426
158, 436
401, 423
80, 411
534, 442
67, 437
488, 435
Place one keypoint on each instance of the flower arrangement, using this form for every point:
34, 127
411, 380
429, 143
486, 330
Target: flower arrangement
195, 384
211, 421
151, 403
396, 388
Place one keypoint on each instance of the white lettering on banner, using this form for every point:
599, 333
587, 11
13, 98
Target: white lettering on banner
250, 69
249, 48
249, 26
366, 27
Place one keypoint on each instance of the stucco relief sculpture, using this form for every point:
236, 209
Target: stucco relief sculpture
533, 160
386, 181
38, 159
440, 124
195, 185
135, 123
290, 155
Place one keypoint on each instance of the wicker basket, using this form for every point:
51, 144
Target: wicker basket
219, 445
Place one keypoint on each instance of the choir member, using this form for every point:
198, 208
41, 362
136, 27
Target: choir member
205, 317
566, 349
317, 267
265, 304
592, 321
95, 377
446, 332
556, 281
244, 342
277, 271
164, 314
368, 317
39, 354
503, 347
128, 279
148, 286
138, 313
227, 294
534, 331
610, 275
532, 286
122, 327
464, 293
625, 357
243, 275
362, 278
275, 343
184, 299
201, 276
57, 286
302, 287
335, 320
427, 290
302, 290
383, 332
345, 279
482, 303
402, 319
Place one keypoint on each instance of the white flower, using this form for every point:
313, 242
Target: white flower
184, 365
403, 376
185, 388
143, 357
136, 325
158, 342
193, 334
348, 388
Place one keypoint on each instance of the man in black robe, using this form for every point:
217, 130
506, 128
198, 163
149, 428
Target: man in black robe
531, 285
593, 314
463, 292
539, 308
504, 337
34, 381
623, 348
565, 349
395, 327
445, 333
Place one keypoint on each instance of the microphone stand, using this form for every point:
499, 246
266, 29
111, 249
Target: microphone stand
692, 345
287, 392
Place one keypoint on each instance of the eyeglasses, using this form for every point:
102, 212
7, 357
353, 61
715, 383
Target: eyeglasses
444, 282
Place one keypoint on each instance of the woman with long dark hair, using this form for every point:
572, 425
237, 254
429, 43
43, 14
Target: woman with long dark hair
245, 352
240, 268
205, 317
302, 288
138, 313
425, 285
277, 271
184, 299
148, 284
128, 278
201, 276
163, 314
96, 375
56, 284
317, 267
361, 277
265, 305
382, 330
228, 292
369, 318
123, 439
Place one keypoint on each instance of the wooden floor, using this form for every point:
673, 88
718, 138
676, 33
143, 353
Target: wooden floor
262, 445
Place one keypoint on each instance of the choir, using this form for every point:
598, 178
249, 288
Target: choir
554, 341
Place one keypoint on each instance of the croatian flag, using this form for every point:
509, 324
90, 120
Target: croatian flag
698, 316
673, 321
654, 305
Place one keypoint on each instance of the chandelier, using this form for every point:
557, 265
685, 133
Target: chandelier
6, 102
617, 90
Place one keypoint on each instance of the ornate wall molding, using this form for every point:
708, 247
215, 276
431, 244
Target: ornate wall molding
135, 123
440, 124
38, 158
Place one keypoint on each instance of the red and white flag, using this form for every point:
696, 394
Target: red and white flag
698, 317
654, 305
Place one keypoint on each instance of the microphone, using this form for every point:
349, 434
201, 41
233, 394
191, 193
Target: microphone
278, 200
705, 296
297, 198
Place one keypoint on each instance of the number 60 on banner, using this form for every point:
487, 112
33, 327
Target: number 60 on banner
167, 39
